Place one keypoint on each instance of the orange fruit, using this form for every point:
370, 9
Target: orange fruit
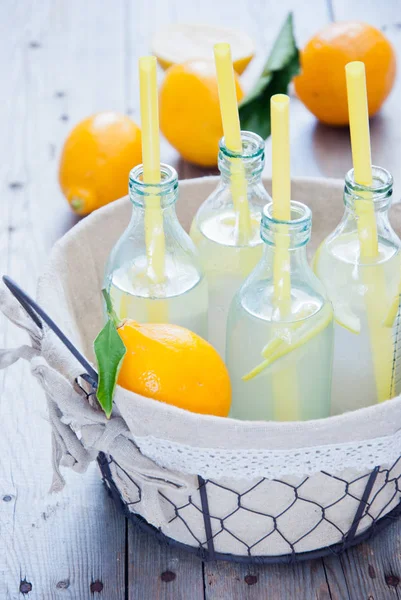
322, 86
190, 111
96, 160
174, 365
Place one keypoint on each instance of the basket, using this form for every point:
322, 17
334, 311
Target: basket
220, 488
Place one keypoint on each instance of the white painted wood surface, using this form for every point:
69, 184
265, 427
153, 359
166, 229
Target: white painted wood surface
61, 60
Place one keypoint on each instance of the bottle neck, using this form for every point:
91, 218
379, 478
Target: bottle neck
375, 197
161, 196
293, 235
366, 212
285, 244
249, 162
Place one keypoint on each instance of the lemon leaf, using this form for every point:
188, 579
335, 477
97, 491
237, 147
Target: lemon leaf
110, 351
281, 66
109, 308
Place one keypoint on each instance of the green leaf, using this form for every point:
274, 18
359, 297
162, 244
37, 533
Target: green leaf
109, 307
110, 351
280, 68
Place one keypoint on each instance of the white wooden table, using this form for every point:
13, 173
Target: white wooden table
61, 60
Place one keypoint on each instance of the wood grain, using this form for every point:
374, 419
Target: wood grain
72, 544
159, 572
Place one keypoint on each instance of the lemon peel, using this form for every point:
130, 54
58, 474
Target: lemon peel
278, 348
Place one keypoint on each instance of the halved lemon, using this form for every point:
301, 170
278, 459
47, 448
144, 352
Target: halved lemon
184, 41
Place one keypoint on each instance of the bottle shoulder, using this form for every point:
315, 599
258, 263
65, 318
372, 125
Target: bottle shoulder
221, 198
130, 250
217, 220
257, 296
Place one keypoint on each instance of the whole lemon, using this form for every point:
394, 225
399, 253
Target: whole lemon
190, 111
322, 85
174, 365
96, 160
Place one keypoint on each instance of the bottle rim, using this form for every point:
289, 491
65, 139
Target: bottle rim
298, 228
382, 184
253, 146
167, 186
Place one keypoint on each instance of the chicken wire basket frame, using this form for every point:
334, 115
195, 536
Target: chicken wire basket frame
364, 491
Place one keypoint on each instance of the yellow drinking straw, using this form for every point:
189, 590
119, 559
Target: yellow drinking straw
154, 233
281, 192
373, 275
285, 380
232, 137
361, 157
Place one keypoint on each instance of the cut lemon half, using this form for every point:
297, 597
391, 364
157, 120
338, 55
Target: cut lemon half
277, 348
184, 41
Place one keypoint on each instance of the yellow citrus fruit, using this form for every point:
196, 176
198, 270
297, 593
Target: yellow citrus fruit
174, 365
180, 42
190, 111
96, 160
322, 86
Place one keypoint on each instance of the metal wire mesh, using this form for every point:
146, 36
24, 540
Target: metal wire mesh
269, 523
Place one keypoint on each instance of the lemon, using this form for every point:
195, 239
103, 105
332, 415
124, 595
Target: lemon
182, 42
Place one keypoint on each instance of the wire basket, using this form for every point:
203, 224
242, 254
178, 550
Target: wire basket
260, 517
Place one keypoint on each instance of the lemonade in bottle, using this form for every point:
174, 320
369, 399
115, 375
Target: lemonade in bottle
360, 266
180, 296
226, 258
362, 289
280, 327
153, 273
279, 354
226, 226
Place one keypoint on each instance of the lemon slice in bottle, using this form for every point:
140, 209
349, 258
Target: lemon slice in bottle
278, 348
178, 43
393, 311
345, 318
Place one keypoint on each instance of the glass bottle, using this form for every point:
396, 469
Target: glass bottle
226, 258
181, 296
364, 291
279, 355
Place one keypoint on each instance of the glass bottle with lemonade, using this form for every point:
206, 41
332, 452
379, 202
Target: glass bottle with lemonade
226, 228
280, 326
360, 266
154, 274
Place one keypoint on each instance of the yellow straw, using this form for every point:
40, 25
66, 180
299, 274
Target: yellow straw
154, 233
286, 404
232, 137
373, 275
281, 192
361, 157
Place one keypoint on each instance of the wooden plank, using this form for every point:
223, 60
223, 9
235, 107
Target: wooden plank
303, 581
371, 570
160, 571
69, 545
